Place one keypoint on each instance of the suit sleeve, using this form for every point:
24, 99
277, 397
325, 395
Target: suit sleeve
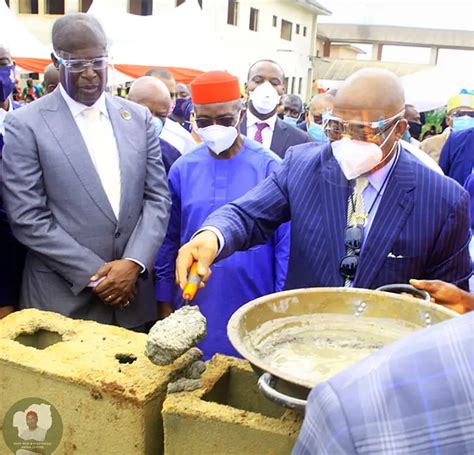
451, 261
445, 156
165, 266
281, 244
150, 229
30, 218
325, 429
252, 219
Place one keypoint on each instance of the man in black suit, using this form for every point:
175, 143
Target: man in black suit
264, 88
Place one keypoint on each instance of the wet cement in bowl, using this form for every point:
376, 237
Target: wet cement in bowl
316, 347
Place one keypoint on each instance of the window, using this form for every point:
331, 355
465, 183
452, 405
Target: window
85, 5
300, 86
253, 25
140, 7
293, 84
233, 12
285, 84
286, 28
297, 29
275, 21
54, 7
304, 31
28, 6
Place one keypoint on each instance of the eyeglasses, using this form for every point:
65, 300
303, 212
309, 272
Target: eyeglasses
80, 65
464, 114
353, 236
335, 127
204, 122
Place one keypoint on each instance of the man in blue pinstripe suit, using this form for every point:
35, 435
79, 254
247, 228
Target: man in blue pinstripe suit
416, 222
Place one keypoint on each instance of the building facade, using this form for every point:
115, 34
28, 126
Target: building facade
280, 30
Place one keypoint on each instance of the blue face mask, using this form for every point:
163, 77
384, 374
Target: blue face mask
290, 120
158, 125
463, 123
316, 133
7, 81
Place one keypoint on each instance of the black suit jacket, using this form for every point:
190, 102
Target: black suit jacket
284, 136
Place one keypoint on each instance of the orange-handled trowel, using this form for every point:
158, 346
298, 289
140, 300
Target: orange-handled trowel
173, 336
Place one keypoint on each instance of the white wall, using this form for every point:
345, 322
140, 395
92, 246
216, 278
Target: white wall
243, 45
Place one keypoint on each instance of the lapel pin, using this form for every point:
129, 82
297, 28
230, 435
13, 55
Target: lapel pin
126, 115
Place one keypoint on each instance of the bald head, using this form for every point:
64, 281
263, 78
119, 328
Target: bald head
51, 78
373, 93
5, 54
153, 93
76, 31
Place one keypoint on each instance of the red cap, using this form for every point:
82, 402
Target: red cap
32, 413
215, 87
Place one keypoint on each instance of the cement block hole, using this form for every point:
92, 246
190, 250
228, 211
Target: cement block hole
238, 388
41, 339
126, 358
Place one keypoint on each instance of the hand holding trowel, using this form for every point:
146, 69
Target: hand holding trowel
173, 336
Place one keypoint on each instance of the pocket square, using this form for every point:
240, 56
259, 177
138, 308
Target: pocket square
391, 255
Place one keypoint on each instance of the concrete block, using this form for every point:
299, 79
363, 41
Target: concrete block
228, 416
108, 394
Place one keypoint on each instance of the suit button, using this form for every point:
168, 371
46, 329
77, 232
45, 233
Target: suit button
117, 235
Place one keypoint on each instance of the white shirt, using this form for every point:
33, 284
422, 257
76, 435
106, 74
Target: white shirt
422, 156
76, 110
38, 434
177, 136
267, 133
108, 136
3, 114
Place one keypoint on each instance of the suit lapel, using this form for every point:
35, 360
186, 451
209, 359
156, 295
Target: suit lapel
394, 209
333, 201
243, 125
121, 122
279, 138
63, 126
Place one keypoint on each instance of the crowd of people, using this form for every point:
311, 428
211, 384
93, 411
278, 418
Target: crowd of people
106, 202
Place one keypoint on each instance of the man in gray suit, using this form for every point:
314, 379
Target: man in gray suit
85, 189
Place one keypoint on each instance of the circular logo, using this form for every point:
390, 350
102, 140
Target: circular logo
32, 426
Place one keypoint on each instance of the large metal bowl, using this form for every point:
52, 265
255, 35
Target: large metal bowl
359, 303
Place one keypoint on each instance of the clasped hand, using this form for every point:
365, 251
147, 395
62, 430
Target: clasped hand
118, 289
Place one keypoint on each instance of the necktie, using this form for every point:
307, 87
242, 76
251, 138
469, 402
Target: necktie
355, 211
104, 157
258, 135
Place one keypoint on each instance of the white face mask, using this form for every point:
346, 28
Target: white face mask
357, 157
218, 138
264, 98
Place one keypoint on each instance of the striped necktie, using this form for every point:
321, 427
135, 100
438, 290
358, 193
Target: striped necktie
258, 135
356, 211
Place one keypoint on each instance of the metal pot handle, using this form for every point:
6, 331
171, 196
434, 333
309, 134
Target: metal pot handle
399, 288
265, 385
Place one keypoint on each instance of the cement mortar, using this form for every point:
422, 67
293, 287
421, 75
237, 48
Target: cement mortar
173, 336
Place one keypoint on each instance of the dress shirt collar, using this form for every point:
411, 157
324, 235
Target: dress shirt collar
77, 108
252, 120
377, 178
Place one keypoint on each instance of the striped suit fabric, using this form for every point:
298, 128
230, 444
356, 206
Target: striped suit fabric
420, 230
414, 396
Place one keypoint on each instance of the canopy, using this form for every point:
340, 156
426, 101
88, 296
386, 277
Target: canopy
26, 49
138, 43
431, 89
